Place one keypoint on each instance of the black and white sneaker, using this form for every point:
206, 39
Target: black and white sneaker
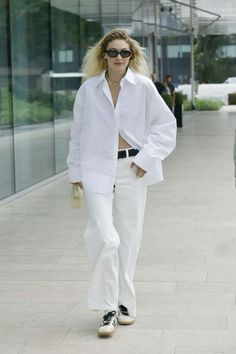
107, 327
124, 318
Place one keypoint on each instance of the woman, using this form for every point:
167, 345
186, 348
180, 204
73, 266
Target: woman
169, 89
118, 141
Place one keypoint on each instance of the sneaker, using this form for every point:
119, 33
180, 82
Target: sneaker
124, 318
107, 327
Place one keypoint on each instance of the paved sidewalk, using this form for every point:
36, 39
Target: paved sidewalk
186, 272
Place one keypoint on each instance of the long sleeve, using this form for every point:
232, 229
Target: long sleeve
162, 131
73, 159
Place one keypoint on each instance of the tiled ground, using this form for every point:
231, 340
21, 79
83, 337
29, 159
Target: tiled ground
186, 272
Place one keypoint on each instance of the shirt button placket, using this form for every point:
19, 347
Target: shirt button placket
115, 141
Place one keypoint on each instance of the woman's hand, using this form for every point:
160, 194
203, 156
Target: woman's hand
139, 171
78, 184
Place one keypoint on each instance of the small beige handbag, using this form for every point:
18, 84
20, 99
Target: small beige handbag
76, 197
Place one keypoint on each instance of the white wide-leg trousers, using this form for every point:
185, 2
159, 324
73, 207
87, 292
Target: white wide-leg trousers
112, 240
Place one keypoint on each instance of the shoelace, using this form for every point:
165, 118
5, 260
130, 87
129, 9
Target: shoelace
123, 310
109, 318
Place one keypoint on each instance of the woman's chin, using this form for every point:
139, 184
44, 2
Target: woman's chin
118, 67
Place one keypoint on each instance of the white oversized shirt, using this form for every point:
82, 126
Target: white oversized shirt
140, 116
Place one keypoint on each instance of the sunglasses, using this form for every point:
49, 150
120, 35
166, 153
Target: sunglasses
124, 53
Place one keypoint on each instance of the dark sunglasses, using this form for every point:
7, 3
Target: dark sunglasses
124, 53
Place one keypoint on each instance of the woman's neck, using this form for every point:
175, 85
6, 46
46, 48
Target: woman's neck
115, 77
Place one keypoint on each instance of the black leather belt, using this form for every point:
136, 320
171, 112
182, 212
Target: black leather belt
127, 153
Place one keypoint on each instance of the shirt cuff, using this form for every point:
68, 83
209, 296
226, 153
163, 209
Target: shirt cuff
144, 161
74, 175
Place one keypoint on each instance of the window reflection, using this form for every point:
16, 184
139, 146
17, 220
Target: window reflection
32, 95
6, 131
72, 32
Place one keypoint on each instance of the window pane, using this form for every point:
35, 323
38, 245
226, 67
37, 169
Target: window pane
75, 27
66, 63
32, 96
6, 137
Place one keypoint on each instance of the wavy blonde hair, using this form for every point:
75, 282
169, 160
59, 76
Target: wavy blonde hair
94, 62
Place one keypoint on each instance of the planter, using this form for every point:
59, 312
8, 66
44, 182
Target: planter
232, 98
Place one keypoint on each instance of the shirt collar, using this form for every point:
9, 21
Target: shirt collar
101, 77
129, 76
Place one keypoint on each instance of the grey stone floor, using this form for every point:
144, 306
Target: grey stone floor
186, 271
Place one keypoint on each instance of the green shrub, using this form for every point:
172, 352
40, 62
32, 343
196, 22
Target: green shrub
208, 105
5, 107
179, 98
232, 98
203, 104
168, 99
33, 112
187, 105
63, 102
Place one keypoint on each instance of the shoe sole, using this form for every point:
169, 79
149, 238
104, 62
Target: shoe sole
125, 323
105, 335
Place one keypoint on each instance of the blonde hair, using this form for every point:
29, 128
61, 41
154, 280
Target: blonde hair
94, 62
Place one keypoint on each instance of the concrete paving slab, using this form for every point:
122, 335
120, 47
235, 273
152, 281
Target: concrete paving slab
204, 350
185, 278
11, 348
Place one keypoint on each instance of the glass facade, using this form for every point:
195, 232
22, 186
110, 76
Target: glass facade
7, 175
31, 102
42, 45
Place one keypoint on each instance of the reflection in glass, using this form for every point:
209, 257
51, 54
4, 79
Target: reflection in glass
6, 137
32, 96
65, 38
72, 33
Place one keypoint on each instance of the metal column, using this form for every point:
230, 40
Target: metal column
192, 33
